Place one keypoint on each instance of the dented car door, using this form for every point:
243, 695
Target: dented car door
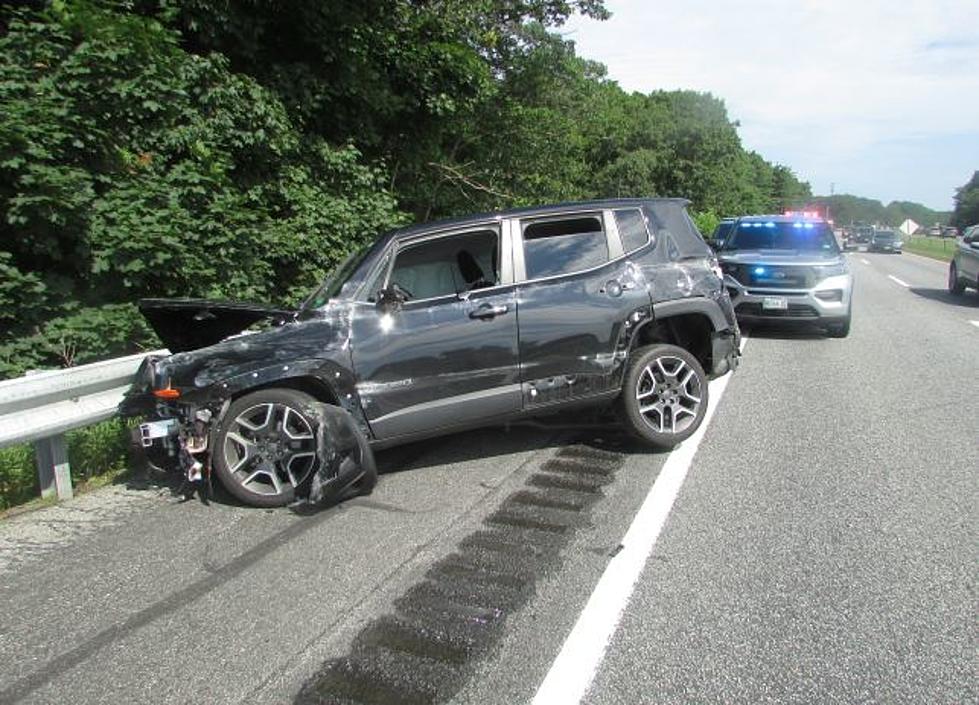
437, 346
578, 296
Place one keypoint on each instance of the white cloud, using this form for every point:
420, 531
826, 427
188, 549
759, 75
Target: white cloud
817, 84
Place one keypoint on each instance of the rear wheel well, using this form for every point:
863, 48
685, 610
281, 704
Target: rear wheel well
313, 386
690, 331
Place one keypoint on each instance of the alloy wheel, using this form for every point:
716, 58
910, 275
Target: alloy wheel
270, 448
669, 395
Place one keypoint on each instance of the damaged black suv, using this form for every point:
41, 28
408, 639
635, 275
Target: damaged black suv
441, 327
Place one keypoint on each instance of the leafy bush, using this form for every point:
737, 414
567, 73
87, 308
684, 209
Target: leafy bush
130, 167
18, 477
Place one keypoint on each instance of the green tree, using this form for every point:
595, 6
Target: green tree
130, 168
966, 211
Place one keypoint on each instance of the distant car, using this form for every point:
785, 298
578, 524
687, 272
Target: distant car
862, 234
782, 268
885, 241
935, 231
950, 232
963, 270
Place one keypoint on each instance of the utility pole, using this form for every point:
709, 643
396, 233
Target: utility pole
832, 188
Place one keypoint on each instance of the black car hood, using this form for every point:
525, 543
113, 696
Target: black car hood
189, 324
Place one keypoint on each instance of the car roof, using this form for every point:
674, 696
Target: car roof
537, 210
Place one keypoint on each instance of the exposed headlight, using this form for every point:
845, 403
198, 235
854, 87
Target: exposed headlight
831, 270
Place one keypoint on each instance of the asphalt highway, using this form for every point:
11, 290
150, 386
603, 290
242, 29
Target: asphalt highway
822, 548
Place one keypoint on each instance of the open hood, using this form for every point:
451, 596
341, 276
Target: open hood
189, 324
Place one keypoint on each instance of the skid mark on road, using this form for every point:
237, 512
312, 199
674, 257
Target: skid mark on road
573, 670
425, 650
898, 281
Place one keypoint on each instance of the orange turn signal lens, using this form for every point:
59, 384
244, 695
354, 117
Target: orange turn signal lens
168, 393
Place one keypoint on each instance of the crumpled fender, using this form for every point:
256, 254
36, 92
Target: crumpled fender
346, 468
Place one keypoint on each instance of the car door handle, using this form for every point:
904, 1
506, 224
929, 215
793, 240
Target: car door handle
487, 311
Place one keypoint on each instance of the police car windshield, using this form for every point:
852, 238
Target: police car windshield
769, 235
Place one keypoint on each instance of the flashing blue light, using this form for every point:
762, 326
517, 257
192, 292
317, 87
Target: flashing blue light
796, 225
769, 225
759, 270
808, 226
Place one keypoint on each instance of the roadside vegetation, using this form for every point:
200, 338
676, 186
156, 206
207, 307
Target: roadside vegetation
98, 455
941, 248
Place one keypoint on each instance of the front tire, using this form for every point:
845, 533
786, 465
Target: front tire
664, 395
265, 446
839, 330
955, 286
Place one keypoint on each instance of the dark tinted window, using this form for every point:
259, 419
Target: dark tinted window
564, 246
447, 265
762, 235
632, 229
721, 232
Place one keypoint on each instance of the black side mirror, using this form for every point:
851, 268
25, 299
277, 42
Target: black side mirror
391, 298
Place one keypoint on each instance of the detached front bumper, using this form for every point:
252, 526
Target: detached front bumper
828, 301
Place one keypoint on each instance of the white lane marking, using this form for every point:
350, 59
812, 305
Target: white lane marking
573, 670
895, 279
864, 260
975, 323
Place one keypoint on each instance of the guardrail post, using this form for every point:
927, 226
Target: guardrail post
53, 470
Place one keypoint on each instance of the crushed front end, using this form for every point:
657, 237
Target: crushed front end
175, 432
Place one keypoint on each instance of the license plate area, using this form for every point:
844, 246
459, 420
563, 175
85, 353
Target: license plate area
775, 303
148, 432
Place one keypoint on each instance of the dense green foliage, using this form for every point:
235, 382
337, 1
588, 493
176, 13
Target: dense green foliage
239, 150
966, 211
846, 209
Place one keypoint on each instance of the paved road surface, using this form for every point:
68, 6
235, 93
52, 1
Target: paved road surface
823, 547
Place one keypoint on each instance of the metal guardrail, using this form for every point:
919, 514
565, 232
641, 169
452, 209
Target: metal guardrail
42, 406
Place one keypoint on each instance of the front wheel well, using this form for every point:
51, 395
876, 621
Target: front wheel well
690, 331
313, 386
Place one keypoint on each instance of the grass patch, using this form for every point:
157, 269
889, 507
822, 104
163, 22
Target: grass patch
941, 248
98, 454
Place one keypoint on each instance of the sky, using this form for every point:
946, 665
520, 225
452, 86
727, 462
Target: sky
878, 99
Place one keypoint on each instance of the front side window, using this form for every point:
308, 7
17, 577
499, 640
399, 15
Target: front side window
447, 265
632, 229
563, 246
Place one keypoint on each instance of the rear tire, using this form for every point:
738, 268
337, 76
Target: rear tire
955, 286
664, 395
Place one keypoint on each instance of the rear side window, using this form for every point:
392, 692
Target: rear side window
632, 229
563, 246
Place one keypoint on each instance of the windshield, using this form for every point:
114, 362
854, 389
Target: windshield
336, 279
885, 235
761, 235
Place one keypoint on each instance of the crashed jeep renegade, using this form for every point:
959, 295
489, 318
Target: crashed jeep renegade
437, 328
